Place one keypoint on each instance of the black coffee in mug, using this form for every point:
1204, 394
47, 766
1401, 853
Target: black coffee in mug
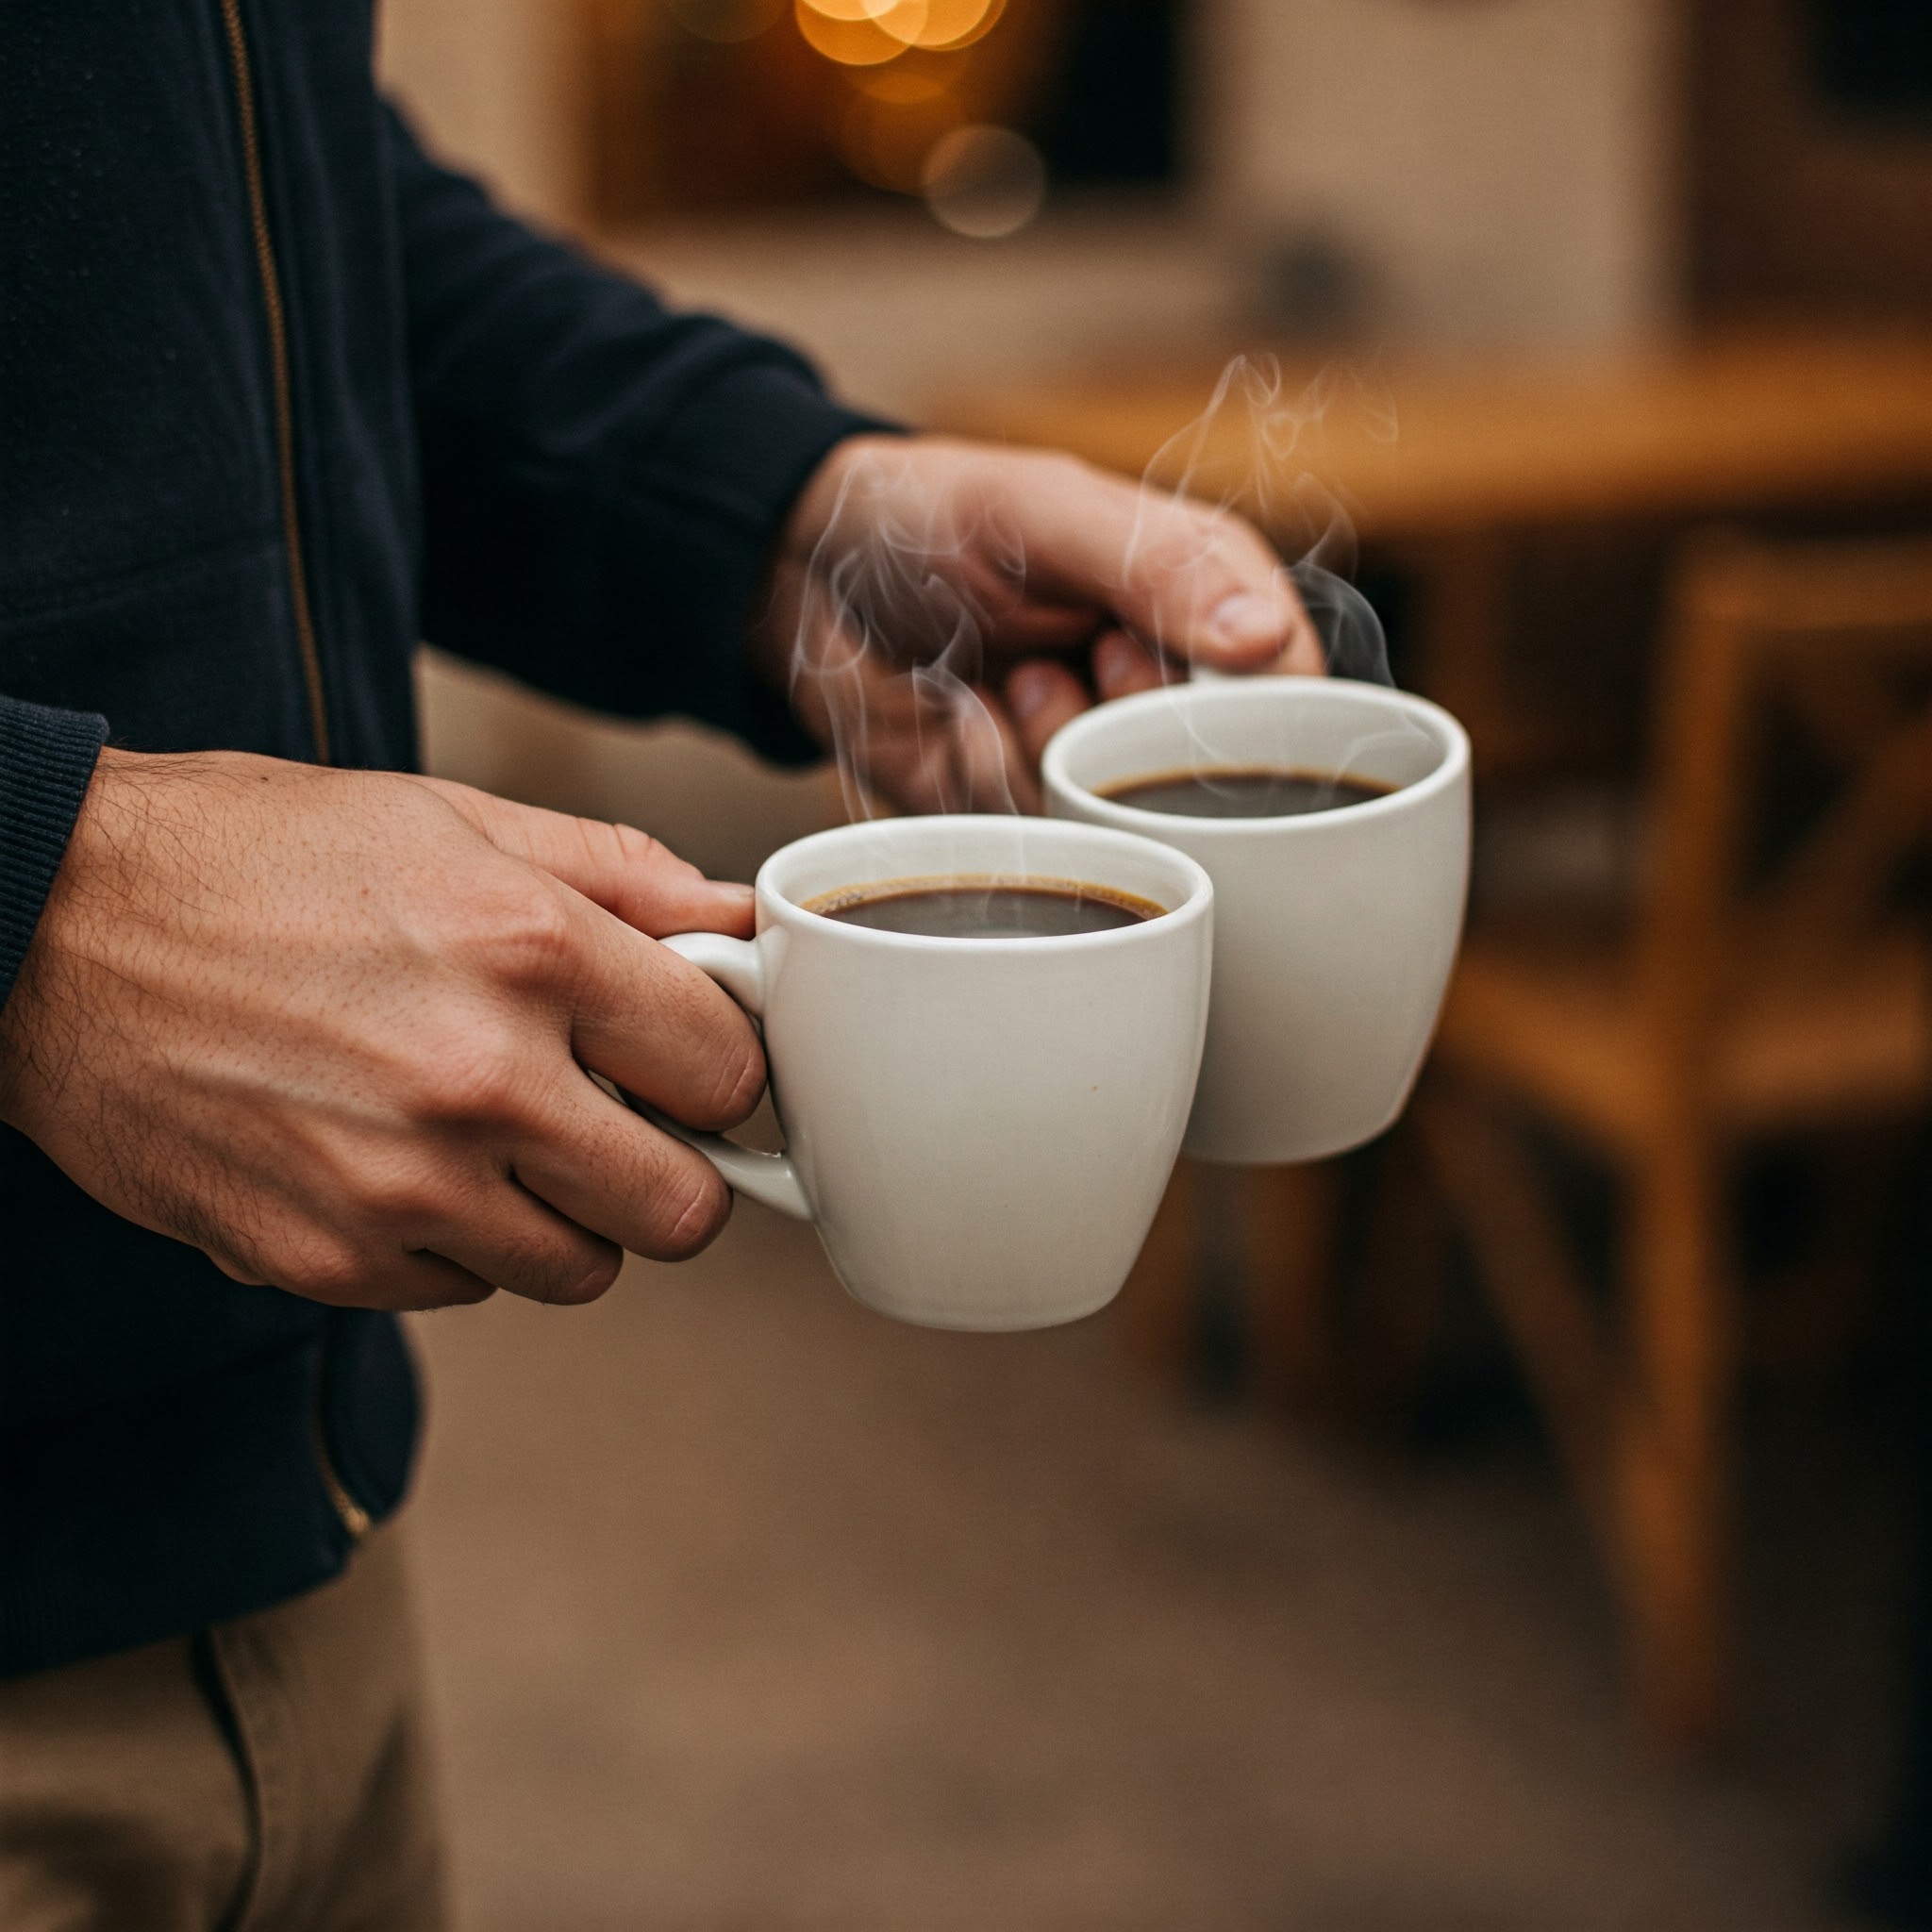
971, 907
1244, 791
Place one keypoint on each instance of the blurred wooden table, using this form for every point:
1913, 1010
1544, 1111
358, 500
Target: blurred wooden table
1441, 465
1447, 469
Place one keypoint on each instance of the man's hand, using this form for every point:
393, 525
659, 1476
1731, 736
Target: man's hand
332, 1028
941, 608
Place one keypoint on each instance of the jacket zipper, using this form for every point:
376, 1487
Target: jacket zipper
355, 1519
278, 358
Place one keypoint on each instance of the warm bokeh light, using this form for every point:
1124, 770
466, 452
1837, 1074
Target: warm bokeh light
903, 86
984, 182
947, 24
895, 119
726, 21
862, 41
868, 33
851, 9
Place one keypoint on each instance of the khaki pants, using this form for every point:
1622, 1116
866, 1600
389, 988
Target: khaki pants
269, 1774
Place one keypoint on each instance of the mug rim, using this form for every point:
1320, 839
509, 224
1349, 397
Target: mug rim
1136, 818
1195, 904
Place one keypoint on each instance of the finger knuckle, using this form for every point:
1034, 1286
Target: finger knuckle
588, 1283
1170, 558
1065, 471
403, 1199
724, 1063
532, 938
637, 848
477, 1072
560, 1270
695, 1203
463, 1295
741, 1084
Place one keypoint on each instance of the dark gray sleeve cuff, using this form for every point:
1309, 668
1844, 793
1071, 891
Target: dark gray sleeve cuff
722, 474
46, 762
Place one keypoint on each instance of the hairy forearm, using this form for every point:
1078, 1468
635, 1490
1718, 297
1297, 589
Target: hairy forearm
331, 1028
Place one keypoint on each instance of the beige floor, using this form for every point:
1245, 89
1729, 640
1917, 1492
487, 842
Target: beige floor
751, 1609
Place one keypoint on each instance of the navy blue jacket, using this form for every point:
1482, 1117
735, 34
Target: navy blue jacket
278, 398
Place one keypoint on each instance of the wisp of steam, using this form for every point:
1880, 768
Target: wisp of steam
1244, 453
900, 603
891, 642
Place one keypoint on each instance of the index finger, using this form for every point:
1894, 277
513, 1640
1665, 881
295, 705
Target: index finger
1042, 696
623, 870
658, 1027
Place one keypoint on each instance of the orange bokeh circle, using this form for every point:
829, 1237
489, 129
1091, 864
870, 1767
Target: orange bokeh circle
862, 42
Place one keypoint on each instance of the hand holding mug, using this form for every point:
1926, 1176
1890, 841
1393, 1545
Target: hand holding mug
979, 1121
939, 607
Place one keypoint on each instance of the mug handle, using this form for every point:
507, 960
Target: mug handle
1350, 632
767, 1177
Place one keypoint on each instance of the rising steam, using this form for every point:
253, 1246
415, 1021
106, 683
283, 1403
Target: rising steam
890, 646
1245, 453
890, 643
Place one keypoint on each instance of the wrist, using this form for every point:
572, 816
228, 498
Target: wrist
94, 882
813, 512
816, 505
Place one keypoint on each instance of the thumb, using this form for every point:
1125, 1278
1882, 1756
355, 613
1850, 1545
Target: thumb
1200, 583
627, 872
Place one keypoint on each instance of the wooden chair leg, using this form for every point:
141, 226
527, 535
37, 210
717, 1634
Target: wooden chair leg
1464, 606
1292, 1218
1523, 1257
1398, 1304
1674, 1446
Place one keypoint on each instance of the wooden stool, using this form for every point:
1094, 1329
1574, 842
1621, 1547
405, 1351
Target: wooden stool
1747, 995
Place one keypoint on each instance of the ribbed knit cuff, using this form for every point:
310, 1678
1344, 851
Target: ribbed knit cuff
46, 760
736, 457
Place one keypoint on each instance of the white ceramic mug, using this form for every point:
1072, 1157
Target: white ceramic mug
1335, 931
980, 1128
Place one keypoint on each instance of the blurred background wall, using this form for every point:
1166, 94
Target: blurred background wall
1496, 171
491, 81
1504, 168
1482, 171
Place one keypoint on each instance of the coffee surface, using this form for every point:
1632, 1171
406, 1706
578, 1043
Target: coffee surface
986, 908
1244, 791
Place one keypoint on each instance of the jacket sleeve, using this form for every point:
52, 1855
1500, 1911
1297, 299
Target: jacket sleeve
47, 763
603, 480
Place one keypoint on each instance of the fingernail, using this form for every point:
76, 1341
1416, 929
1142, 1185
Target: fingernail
1247, 619
1027, 688
1115, 657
